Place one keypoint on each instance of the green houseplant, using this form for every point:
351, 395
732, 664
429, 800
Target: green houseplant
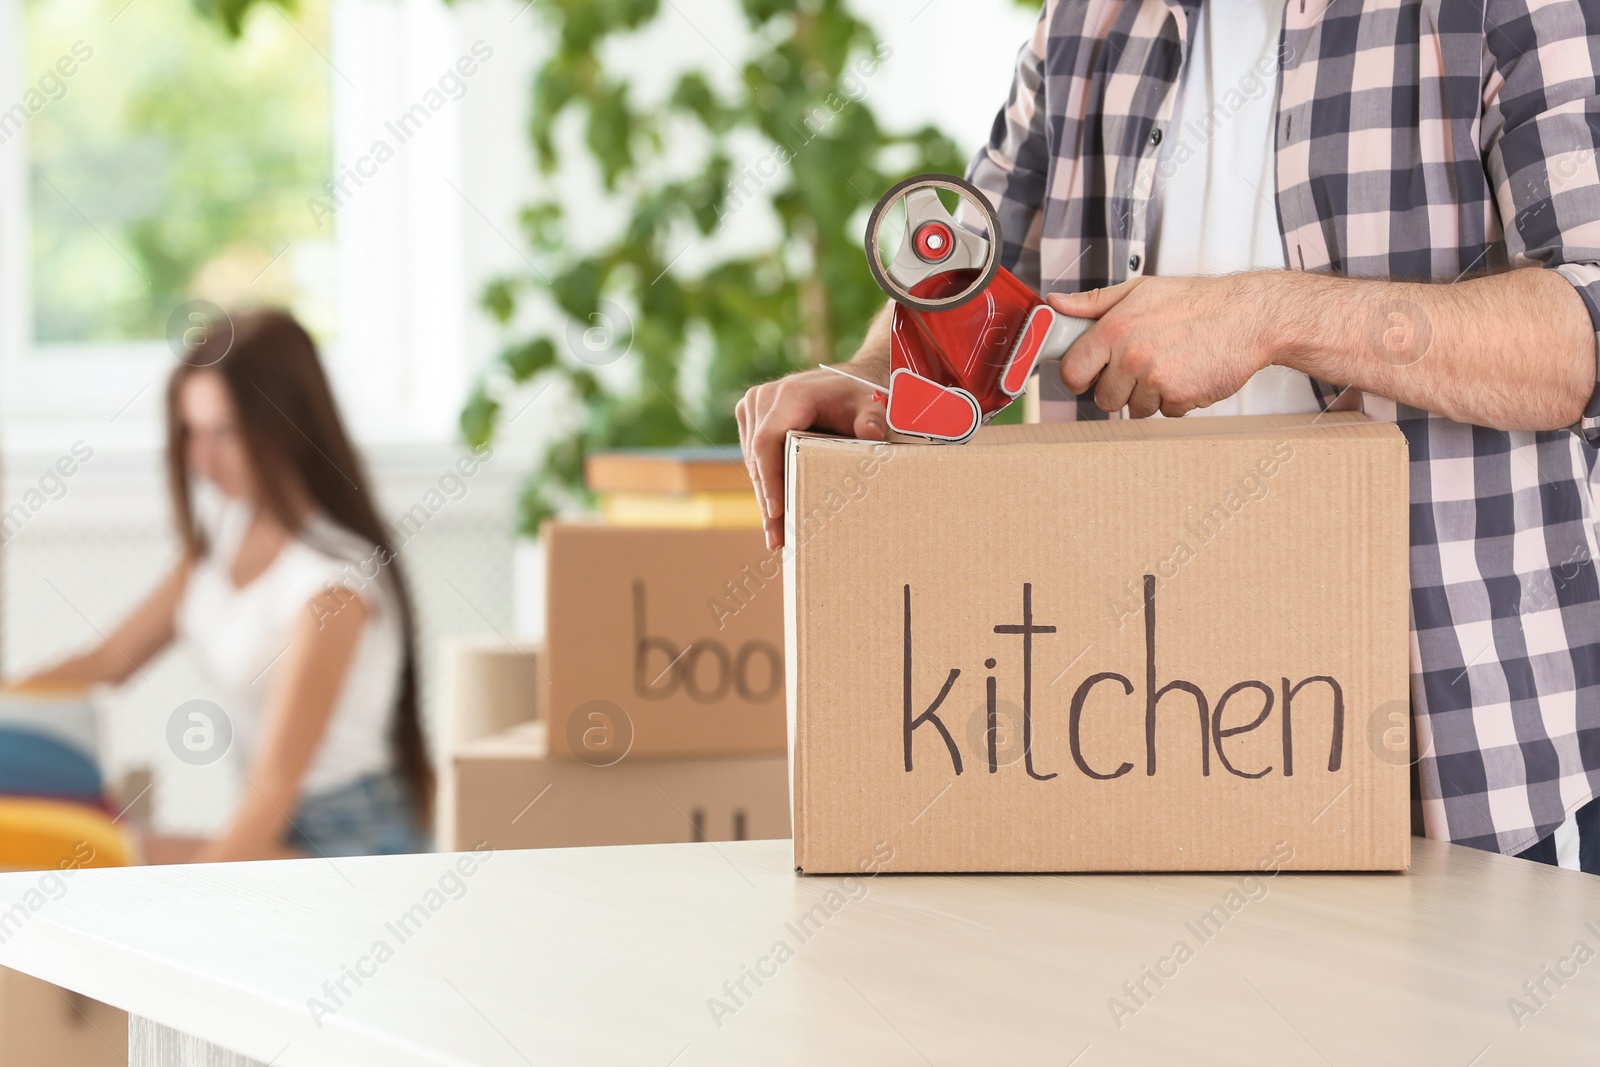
805, 92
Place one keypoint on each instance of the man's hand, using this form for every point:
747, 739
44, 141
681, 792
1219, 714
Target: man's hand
1167, 344
1512, 351
816, 399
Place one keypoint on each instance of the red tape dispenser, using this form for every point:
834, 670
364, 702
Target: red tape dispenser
967, 333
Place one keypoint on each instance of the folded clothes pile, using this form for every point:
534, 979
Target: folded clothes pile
54, 812
47, 746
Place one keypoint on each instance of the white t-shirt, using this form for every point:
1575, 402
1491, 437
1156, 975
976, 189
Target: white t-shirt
241, 637
1216, 181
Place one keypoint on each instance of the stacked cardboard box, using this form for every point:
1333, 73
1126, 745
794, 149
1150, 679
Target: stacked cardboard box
515, 796
45, 1026
664, 710
491, 684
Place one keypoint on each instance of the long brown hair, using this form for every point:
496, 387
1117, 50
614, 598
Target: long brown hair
293, 436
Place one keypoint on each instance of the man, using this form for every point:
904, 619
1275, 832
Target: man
1390, 206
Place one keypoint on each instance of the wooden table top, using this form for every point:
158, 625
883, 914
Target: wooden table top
637, 955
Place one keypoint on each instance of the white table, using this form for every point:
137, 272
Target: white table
610, 955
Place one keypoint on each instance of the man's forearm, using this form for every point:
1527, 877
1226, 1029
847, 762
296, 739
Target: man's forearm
1512, 351
872, 359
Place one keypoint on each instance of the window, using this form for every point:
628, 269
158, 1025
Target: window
167, 164
147, 160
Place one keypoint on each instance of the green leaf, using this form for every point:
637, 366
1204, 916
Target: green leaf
542, 224
525, 360
230, 14
693, 95
610, 134
478, 418
500, 298
586, 385
534, 506
576, 290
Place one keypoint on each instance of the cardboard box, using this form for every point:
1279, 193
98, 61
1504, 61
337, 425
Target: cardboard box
663, 643
42, 1025
1175, 645
490, 685
511, 795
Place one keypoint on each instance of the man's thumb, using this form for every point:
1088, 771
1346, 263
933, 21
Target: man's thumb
1093, 303
871, 425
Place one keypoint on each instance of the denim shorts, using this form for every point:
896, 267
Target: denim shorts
371, 816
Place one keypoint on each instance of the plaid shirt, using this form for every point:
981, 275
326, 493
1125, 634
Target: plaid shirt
1416, 140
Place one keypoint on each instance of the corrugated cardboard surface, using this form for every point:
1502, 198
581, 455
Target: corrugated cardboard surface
490, 685
1276, 549
510, 795
43, 1026
676, 636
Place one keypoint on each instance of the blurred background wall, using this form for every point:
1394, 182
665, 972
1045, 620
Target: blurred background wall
174, 164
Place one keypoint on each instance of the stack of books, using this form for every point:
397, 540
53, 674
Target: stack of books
682, 488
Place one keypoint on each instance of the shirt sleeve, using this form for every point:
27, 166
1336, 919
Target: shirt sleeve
327, 567
312, 581
1013, 171
1012, 168
1541, 134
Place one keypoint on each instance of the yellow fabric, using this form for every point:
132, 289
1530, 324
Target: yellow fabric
39, 835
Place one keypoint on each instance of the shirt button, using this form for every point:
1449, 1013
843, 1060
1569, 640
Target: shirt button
1155, 136
1133, 262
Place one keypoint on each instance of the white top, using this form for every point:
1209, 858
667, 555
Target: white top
241, 638
1216, 181
637, 955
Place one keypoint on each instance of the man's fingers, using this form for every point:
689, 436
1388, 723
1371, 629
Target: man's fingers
1095, 302
741, 415
1144, 402
767, 413
745, 414
868, 423
793, 407
1084, 361
1115, 386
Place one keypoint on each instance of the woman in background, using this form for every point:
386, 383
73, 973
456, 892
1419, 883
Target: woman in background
289, 594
